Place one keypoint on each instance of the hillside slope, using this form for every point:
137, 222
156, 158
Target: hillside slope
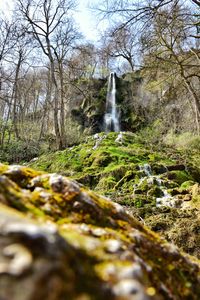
158, 184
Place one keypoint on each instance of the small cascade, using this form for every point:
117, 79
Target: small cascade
146, 168
98, 139
111, 118
166, 199
119, 138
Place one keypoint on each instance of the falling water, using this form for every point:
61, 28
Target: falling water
111, 118
166, 199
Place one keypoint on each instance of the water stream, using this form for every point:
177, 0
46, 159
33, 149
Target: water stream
111, 118
166, 199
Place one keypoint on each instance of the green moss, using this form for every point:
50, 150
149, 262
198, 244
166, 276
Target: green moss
155, 192
112, 168
12, 195
116, 171
187, 184
126, 200
106, 184
101, 159
139, 201
3, 168
127, 178
179, 176
35, 211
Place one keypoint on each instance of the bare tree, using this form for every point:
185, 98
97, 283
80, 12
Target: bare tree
8, 41
167, 46
43, 18
130, 12
122, 44
65, 40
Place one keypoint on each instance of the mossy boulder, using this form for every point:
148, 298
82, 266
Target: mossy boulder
158, 168
187, 184
179, 176
61, 241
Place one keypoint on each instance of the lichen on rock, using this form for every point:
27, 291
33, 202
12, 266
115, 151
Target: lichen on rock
82, 246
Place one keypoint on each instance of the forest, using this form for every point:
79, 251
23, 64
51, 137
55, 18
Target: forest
48, 69
100, 151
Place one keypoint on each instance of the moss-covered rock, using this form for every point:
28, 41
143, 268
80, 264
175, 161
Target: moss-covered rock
82, 246
117, 168
106, 184
179, 176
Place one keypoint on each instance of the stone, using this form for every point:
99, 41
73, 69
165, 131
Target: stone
95, 250
187, 197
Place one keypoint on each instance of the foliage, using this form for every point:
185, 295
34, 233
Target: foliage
18, 151
153, 133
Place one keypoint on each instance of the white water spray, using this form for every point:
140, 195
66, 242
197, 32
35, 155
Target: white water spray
111, 118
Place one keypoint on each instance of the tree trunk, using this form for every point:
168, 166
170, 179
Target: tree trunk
15, 97
196, 102
56, 95
62, 106
45, 108
56, 107
5, 125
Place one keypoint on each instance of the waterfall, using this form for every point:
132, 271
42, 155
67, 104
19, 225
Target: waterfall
111, 118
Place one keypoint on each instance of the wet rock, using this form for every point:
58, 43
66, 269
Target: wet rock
176, 168
159, 169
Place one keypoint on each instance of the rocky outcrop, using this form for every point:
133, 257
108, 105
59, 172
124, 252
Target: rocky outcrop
88, 102
62, 241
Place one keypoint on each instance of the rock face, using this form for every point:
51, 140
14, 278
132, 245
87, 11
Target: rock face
88, 103
62, 241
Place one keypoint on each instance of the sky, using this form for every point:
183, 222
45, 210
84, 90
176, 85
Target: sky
87, 20
84, 17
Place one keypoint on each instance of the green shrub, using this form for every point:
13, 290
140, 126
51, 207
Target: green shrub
18, 151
